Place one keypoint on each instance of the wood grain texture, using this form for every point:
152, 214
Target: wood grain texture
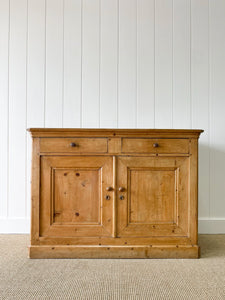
84, 209
155, 145
75, 198
193, 193
104, 241
160, 223
114, 145
80, 145
152, 195
90, 132
113, 199
35, 192
113, 252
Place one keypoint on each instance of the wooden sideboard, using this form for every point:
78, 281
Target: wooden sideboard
114, 193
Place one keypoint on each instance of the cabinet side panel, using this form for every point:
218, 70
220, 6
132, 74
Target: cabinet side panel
35, 190
193, 192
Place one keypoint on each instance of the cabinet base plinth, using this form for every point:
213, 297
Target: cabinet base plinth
51, 251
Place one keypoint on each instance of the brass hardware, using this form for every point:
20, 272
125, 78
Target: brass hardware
109, 188
156, 145
121, 197
73, 144
121, 189
107, 197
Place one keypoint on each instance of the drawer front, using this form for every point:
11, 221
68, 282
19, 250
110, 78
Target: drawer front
130, 145
73, 145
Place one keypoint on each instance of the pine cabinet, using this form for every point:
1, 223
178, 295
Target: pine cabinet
114, 193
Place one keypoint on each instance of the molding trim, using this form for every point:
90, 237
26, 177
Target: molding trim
14, 225
211, 226
22, 226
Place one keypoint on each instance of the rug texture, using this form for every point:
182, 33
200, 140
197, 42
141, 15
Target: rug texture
23, 278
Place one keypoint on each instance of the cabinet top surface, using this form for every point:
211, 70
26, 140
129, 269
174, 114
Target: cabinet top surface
91, 132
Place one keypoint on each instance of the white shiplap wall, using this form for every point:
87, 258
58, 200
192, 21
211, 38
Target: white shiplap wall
111, 63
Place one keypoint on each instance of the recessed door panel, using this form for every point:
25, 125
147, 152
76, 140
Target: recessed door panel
73, 196
76, 195
152, 195
155, 200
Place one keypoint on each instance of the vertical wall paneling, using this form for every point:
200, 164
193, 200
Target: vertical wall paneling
127, 89
54, 63
181, 64
4, 55
217, 107
72, 63
90, 63
200, 95
111, 63
108, 63
163, 63
17, 109
35, 76
36, 63
145, 63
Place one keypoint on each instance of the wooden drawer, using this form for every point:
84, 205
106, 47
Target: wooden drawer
73, 145
143, 145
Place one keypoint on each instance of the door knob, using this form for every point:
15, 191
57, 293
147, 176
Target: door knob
155, 145
121, 189
109, 188
73, 144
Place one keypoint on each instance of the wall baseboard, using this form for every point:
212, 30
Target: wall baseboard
211, 226
10, 225
22, 226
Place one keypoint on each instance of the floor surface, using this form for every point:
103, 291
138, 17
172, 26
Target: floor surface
24, 278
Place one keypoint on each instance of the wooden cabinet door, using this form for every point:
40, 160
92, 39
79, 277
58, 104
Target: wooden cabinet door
155, 198
73, 196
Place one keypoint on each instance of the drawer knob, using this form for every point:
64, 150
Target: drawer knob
155, 145
121, 197
109, 188
121, 189
73, 144
107, 197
